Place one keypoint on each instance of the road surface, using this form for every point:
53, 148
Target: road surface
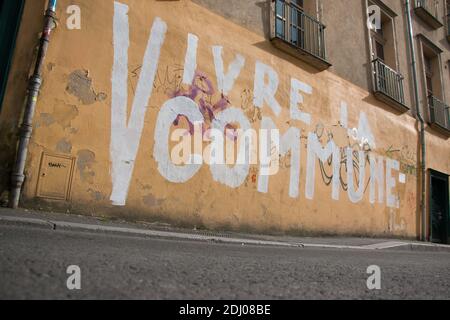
34, 262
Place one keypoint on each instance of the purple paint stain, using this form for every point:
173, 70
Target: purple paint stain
206, 110
203, 80
203, 87
222, 104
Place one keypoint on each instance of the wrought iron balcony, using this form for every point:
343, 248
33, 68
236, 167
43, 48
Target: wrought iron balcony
428, 11
388, 85
299, 34
439, 113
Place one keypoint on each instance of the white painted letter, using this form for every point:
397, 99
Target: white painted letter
167, 115
290, 141
225, 82
376, 177
344, 115
392, 201
266, 91
297, 98
125, 137
190, 61
233, 177
365, 135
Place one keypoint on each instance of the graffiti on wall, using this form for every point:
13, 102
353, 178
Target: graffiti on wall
192, 98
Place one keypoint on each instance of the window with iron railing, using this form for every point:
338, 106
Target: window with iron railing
432, 6
439, 112
388, 81
432, 72
428, 10
298, 29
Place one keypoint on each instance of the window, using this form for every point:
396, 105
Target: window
298, 24
428, 75
296, 21
379, 50
379, 42
432, 85
298, 32
429, 12
432, 73
388, 82
383, 39
280, 16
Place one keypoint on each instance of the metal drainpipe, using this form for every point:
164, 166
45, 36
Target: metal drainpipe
18, 177
422, 122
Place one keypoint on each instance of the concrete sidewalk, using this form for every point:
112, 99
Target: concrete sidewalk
57, 221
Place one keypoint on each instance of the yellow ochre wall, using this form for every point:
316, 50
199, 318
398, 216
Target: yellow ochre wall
73, 117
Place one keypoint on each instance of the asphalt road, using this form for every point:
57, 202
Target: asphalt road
34, 261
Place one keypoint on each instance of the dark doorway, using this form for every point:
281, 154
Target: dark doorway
439, 207
10, 16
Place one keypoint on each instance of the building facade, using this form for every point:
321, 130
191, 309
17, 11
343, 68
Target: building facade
336, 78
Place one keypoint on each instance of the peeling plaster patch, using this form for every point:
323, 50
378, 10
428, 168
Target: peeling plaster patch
64, 114
45, 119
80, 86
85, 162
96, 195
64, 146
151, 201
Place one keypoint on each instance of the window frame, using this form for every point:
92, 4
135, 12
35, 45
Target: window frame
426, 46
375, 36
